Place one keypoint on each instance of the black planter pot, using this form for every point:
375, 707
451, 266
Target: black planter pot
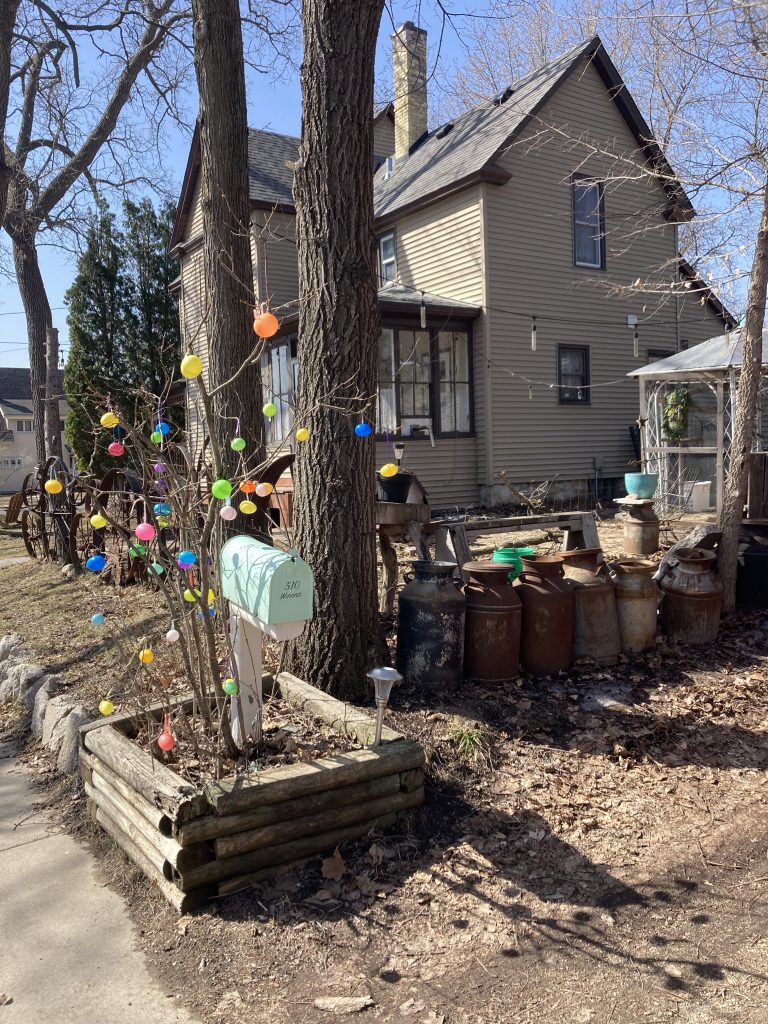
393, 488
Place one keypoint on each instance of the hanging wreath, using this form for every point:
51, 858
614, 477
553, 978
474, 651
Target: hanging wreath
674, 419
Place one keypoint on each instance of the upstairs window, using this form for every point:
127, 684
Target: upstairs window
279, 371
573, 374
588, 223
387, 261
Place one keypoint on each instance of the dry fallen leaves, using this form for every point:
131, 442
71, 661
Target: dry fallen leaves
334, 866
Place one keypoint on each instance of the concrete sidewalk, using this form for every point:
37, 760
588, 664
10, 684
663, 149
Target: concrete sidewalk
67, 951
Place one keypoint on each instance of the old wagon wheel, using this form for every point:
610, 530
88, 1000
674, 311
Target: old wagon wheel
32, 492
34, 536
80, 491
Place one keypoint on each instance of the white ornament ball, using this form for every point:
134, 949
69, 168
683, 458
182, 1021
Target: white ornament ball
172, 636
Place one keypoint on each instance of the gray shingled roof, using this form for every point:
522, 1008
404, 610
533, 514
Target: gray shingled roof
269, 180
15, 382
475, 138
717, 355
402, 295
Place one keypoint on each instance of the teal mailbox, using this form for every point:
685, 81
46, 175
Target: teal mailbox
273, 587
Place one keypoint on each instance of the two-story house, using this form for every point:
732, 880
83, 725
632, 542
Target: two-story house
529, 259
17, 437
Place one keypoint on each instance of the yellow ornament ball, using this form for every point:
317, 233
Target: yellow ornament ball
54, 486
302, 434
191, 366
97, 521
106, 707
247, 507
109, 420
389, 470
189, 596
146, 657
211, 597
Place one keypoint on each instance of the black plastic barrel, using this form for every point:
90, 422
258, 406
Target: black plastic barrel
752, 568
393, 488
430, 627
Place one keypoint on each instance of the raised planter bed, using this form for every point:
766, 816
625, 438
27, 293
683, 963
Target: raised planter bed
200, 843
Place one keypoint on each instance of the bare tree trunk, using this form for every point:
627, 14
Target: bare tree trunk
226, 217
52, 419
8, 9
746, 411
38, 315
338, 335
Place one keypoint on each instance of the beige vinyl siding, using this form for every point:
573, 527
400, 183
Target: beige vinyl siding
275, 261
193, 314
440, 250
383, 136
448, 472
531, 271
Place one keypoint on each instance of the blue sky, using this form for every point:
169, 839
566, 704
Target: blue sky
281, 100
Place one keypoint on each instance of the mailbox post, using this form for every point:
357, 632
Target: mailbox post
269, 591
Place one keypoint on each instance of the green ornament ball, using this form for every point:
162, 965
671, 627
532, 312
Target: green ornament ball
156, 437
237, 444
221, 489
270, 410
157, 569
229, 686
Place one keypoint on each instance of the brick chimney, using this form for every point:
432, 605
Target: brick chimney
409, 57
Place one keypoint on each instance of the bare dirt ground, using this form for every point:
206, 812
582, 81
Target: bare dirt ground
597, 853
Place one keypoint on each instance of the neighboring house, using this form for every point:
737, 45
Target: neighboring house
17, 436
518, 248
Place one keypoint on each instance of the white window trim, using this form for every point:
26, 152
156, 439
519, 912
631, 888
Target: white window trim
385, 282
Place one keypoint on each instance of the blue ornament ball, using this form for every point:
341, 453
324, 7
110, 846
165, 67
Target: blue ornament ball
186, 558
162, 508
95, 563
363, 430
97, 619
163, 427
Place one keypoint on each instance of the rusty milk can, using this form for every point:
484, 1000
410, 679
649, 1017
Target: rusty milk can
641, 526
693, 598
494, 611
547, 632
430, 626
595, 625
637, 604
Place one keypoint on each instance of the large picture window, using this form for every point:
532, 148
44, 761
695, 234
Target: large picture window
588, 223
424, 380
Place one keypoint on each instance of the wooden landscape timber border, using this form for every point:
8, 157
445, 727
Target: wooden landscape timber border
199, 844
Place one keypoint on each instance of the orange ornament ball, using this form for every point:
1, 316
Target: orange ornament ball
265, 324
248, 487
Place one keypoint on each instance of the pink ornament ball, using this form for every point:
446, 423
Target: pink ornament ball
228, 513
165, 741
145, 531
115, 448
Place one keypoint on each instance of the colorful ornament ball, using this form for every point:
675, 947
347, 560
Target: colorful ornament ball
248, 487
186, 558
157, 568
97, 521
106, 707
137, 550
248, 507
221, 489
172, 636
165, 741
145, 531
264, 490
116, 449
269, 410
211, 597
155, 437
146, 657
160, 468
163, 521
389, 470
237, 444
109, 421
265, 324
54, 486
302, 434
191, 366
229, 686
97, 619
190, 596
161, 508
95, 563
363, 430
163, 428
228, 513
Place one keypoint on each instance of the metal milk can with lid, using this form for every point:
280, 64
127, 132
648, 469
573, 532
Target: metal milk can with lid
637, 604
430, 626
494, 612
547, 634
693, 598
595, 624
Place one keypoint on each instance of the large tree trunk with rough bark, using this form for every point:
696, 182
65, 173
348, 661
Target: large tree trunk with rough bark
8, 10
38, 315
338, 332
746, 412
229, 298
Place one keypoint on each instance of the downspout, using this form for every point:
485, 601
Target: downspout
487, 380
677, 290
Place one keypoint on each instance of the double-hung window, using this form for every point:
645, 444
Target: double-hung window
424, 382
573, 374
387, 259
588, 223
278, 378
